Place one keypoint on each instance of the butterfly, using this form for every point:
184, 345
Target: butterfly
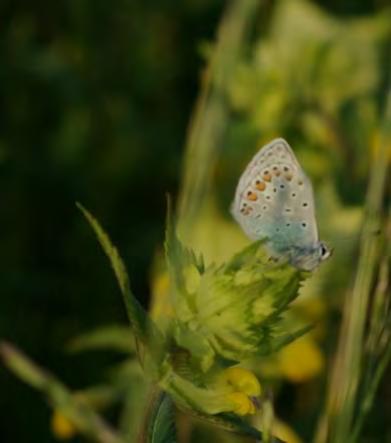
274, 201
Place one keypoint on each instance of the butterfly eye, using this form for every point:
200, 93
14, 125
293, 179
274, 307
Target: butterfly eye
324, 251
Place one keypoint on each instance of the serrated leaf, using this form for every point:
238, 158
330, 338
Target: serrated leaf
145, 330
279, 342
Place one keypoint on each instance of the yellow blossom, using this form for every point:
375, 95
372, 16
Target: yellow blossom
301, 360
241, 380
241, 385
242, 404
61, 426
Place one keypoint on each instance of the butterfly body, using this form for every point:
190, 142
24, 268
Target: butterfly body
274, 201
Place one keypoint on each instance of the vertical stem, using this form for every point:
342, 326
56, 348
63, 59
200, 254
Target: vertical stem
379, 339
342, 396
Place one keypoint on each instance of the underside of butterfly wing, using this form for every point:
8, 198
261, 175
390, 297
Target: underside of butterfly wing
274, 200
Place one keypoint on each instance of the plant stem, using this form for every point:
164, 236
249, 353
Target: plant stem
342, 397
379, 336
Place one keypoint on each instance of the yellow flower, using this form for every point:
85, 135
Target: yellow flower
241, 403
301, 360
61, 426
233, 390
243, 385
241, 380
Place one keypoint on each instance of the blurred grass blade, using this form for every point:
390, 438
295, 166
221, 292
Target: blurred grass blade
78, 412
379, 338
113, 337
99, 396
210, 116
134, 404
144, 329
342, 399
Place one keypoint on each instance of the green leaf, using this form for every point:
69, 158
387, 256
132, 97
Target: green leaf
161, 426
280, 341
247, 254
145, 330
114, 337
231, 423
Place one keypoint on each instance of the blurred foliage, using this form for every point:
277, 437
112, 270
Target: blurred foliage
95, 100
93, 96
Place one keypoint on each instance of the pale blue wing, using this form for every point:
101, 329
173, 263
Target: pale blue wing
274, 200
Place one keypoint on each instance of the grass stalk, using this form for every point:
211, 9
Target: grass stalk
342, 401
379, 337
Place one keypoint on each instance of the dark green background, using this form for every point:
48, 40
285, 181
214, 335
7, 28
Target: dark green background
95, 98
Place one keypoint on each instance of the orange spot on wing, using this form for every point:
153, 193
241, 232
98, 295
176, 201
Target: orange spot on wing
261, 186
288, 177
267, 177
252, 196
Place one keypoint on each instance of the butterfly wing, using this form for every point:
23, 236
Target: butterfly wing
274, 199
